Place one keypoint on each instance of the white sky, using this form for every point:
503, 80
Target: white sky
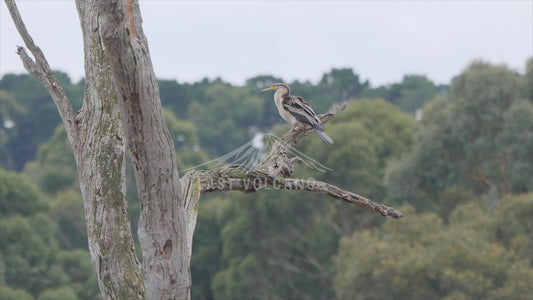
236, 40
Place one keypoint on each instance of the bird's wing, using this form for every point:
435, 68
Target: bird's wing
302, 111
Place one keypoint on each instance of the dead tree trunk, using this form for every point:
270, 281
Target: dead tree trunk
96, 137
122, 110
162, 230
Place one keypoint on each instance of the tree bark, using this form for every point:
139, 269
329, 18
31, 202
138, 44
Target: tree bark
95, 135
102, 171
162, 223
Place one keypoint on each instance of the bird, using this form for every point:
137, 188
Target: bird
296, 111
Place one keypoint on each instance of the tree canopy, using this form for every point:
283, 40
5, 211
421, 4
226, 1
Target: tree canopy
463, 174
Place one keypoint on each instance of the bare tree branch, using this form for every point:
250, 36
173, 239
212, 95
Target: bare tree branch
243, 179
339, 194
264, 176
40, 70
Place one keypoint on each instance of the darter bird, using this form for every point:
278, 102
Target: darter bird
296, 111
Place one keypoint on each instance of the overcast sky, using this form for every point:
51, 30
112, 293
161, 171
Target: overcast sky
236, 40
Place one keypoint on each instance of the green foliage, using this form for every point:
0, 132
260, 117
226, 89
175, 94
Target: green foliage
260, 82
421, 258
9, 110
528, 80
224, 117
389, 128
410, 94
238, 281
342, 85
34, 116
174, 97
477, 139
353, 161
177, 97
32, 232
78, 267
513, 226
18, 196
67, 211
32, 261
60, 293
413, 92
9, 293
337, 86
473, 144
516, 147
28, 249
55, 168
368, 135
279, 237
207, 248
186, 141
270, 115
184, 133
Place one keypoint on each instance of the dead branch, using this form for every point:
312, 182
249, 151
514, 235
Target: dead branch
276, 162
40, 70
243, 179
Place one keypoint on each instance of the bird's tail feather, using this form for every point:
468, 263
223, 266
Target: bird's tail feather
323, 136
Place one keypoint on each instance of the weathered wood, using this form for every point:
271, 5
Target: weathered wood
243, 179
96, 139
162, 223
102, 171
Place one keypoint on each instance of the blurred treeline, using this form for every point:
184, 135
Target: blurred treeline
462, 172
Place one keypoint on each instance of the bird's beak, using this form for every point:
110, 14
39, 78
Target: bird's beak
268, 89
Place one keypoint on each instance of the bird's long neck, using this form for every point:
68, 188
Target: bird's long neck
281, 93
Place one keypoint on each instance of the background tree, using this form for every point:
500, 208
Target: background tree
476, 139
37, 235
296, 256
54, 168
29, 106
433, 260
410, 94
413, 92
9, 293
18, 196
226, 116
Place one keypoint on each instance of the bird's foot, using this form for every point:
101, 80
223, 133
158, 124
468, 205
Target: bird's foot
295, 128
